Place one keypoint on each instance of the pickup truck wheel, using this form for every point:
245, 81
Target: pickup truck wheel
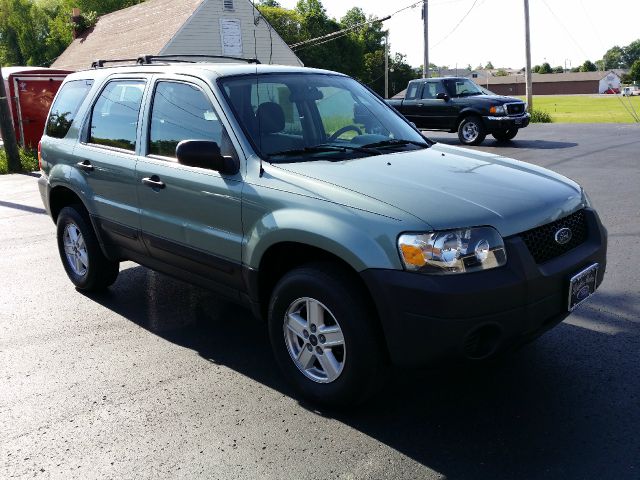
471, 130
323, 336
81, 256
505, 135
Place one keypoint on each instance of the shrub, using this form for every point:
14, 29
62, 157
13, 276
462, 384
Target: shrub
538, 116
28, 161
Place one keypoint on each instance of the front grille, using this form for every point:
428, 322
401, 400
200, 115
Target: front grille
515, 108
541, 241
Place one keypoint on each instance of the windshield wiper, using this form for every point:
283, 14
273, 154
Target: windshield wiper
394, 142
323, 149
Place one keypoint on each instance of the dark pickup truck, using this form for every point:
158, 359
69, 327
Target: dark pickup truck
458, 104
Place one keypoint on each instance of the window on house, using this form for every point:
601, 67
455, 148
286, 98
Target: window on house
227, 4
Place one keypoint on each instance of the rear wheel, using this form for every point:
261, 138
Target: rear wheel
323, 336
505, 135
80, 252
471, 130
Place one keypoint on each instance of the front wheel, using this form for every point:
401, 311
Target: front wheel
471, 130
505, 135
323, 336
80, 252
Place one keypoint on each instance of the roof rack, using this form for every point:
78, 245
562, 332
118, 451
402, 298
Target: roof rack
100, 63
147, 59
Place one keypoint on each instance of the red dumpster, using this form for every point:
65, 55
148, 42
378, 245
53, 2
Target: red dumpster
31, 91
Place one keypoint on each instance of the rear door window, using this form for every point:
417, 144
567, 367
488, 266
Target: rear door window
114, 118
65, 107
412, 91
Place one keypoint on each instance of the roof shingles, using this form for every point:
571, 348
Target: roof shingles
141, 29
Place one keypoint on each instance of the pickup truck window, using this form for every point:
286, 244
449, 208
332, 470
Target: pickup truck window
458, 87
431, 89
412, 91
299, 117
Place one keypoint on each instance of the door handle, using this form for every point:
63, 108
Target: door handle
421, 104
153, 181
85, 165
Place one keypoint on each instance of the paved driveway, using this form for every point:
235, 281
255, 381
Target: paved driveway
159, 379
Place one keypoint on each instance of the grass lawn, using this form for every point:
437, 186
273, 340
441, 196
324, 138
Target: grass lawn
586, 108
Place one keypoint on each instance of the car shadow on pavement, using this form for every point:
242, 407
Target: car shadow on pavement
561, 408
525, 144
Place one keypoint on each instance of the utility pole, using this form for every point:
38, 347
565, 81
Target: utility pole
7, 131
527, 42
425, 21
386, 65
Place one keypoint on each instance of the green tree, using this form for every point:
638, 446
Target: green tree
501, 73
269, 3
558, 69
489, 66
536, 69
631, 53
588, 66
613, 58
634, 72
545, 68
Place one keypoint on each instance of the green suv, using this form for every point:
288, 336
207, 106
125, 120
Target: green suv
300, 194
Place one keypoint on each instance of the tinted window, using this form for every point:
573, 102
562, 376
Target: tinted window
114, 119
183, 112
412, 91
432, 89
66, 106
283, 113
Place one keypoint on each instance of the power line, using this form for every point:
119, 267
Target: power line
337, 34
457, 25
565, 29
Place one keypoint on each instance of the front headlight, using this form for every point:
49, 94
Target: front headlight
498, 110
452, 251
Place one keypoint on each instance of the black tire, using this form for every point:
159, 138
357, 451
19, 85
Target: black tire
505, 135
364, 363
99, 272
471, 130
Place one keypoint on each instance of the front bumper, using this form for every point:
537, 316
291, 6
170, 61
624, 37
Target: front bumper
506, 122
429, 317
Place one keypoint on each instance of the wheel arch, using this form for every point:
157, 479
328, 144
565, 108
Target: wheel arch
62, 196
283, 257
469, 112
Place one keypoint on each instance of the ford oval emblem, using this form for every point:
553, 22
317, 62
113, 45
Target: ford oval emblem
583, 293
563, 236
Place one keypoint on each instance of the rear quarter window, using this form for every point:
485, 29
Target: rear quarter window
65, 107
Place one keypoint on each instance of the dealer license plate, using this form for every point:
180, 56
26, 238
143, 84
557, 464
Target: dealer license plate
582, 285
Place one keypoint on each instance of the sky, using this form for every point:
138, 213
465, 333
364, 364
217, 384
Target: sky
562, 31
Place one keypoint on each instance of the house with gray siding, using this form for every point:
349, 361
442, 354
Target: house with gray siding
156, 27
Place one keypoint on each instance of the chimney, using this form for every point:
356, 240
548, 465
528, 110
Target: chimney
75, 22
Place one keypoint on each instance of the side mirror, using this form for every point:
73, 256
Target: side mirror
205, 154
442, 96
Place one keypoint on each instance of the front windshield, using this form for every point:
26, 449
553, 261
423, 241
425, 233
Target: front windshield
461, 87
294, 117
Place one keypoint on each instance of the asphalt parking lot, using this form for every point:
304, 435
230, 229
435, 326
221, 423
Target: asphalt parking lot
160, 379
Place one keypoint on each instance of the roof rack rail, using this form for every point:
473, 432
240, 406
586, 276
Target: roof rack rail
100, 63
147, 59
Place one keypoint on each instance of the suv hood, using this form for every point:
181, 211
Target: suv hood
450, 187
